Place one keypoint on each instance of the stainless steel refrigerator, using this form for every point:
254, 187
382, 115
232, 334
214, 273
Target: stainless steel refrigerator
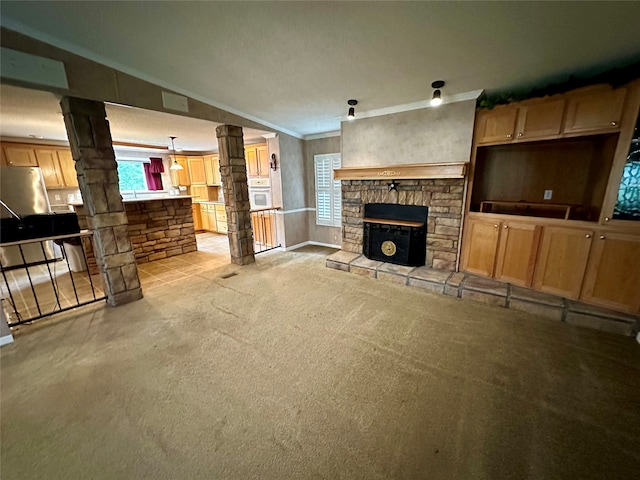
24, 192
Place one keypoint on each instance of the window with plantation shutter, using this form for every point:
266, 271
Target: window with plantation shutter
328, 190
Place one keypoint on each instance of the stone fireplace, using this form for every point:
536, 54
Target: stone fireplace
443, 197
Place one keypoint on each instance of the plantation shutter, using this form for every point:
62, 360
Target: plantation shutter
328, 190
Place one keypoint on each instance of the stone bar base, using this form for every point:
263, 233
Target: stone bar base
486, 290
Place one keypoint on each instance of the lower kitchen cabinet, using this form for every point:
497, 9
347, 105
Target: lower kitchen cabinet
197, 216
517, 250
263, 229
213, 217
481, 246
562, 261
613, 274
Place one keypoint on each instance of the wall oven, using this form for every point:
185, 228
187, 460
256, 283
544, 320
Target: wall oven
259, 193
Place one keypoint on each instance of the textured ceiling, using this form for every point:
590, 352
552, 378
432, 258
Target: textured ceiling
27, 113
294, 65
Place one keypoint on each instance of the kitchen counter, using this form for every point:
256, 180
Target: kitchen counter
139, 200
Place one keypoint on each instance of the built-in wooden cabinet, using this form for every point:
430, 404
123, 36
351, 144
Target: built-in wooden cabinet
181, 177
213, 217
263, 229
56, 163
481, 246
504, 250
517, 250
536, 120
599, 110
20, 155
613, 273
48, 163
212, 169
197, 216
257, 158
562, 260
197, 170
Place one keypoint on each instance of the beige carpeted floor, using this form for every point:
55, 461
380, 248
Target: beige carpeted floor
290, 370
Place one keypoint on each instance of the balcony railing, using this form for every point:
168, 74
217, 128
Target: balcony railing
36, 290
265, 229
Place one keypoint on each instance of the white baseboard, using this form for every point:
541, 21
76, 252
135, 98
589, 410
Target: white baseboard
6, 340
309, 242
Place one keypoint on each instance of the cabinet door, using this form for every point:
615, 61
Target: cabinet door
68, 168
181, 177
263, 161
204, 217
196, 170
517, 251
613, 275
197, 218
48, 163
562, 261
213, 222
540, 119
596, 111
480, 247
212, 169
221, 218
251, 155
496, 125
19, 156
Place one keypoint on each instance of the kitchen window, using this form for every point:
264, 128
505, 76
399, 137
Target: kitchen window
328, 190
131, 175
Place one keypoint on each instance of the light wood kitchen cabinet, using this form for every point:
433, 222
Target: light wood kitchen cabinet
562, 260
221, 218
181, 177
263, 229
613, 276
517, 251
197, 171
197, 216
50, 166
204, 218
596, 110
67, 168
481, 246
20, 156
212, 169
257, 158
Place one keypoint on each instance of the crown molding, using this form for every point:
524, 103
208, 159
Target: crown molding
316, 136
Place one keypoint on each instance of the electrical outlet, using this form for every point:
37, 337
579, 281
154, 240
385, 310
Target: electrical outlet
548, 194
57, 197
335, 238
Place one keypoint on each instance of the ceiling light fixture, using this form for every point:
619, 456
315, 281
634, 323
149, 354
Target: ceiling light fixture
352, 110
175, 165
437, 94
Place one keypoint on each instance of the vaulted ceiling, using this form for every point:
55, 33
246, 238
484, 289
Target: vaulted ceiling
294, 65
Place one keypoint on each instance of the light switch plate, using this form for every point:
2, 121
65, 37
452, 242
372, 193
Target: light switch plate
548, 194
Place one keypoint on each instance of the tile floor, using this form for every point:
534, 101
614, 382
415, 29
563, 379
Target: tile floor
213, 252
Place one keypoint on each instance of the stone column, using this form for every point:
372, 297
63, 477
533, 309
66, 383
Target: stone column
233, 170
95, 162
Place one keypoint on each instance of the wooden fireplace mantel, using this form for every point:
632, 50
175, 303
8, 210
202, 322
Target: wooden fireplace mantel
406, 172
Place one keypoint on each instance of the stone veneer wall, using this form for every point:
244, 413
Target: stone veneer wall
157, 229
161, 228
442, 196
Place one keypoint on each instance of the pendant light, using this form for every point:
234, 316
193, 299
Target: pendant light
437, 94
352, 110
175, 165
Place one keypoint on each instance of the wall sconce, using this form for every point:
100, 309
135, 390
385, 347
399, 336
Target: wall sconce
352, 110
273, 163
437, 98
175, 165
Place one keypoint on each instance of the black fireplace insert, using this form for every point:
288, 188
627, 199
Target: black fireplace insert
395, 233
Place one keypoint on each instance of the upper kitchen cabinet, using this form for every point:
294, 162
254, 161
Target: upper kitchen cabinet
67, 168
20, 155
48, 163
257, 160
212, 169
181, 177
596, 110
497, 125
197, 170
